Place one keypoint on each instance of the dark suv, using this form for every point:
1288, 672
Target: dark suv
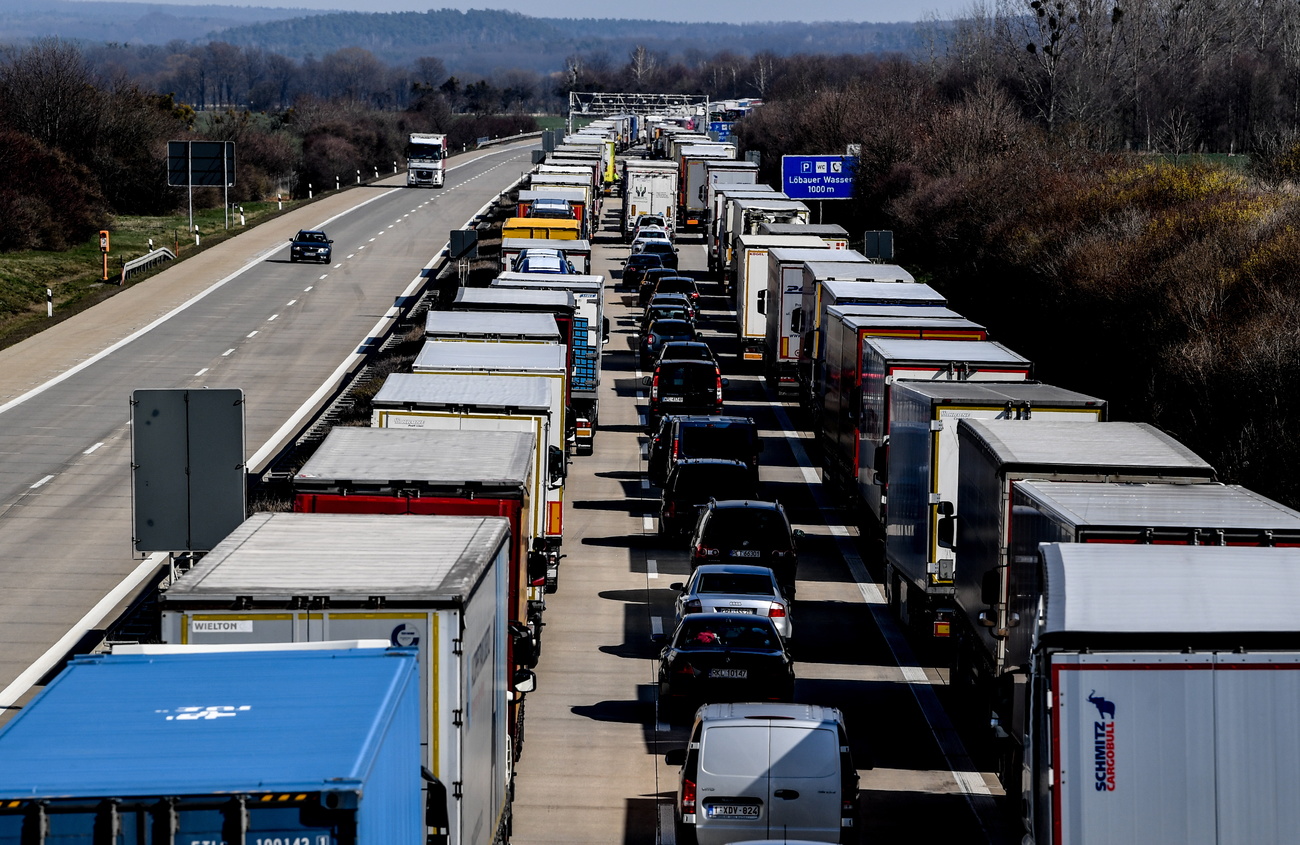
693, 482
310, 245
684, 387
660, 332
636, 265
691, 436
747, 531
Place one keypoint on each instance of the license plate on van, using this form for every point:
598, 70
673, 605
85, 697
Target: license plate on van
673, 399
729, 673
732, 811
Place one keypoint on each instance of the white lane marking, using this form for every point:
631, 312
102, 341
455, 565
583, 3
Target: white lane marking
648, 523
353, 254
272, 317
323, 277
363, 246
109, 350
200, 372
337, 266
93, 617
92, 449
227, 352
968, 780
42, 482
645, 451
308, 288
253, 333
656, 625
290, 302
652, 568
372, 240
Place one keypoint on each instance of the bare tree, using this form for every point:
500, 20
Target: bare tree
641, 66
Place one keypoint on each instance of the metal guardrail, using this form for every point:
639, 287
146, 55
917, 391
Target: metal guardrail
146, 262
488, 143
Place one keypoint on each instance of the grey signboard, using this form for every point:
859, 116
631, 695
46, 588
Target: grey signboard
187, 468
201, 164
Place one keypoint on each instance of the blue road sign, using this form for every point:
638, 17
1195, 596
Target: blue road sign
818, 177
721, 130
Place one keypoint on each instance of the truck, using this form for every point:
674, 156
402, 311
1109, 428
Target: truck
541, 228
426, 160
436, 584
744, 216
577, 197
492, 327
922, 478
716, 246
751, 287
783, 332
587, 339
835, 235
720, 172
560, 304
856, 404
995, 457
649, 187
577, 253
477, 402
812, 310
547, 362
691, 181
1161, 710
318, 746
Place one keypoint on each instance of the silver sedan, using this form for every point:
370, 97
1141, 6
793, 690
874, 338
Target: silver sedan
734, 588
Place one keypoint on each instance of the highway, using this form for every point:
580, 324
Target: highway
593, 766
240, 315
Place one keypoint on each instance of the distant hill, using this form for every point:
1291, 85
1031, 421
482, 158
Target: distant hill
467, 42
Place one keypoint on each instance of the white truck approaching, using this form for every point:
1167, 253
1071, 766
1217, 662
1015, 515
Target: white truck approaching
1161, 696
426, 157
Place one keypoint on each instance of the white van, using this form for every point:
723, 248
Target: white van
766, 771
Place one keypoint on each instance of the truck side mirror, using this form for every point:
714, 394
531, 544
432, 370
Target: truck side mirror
604, 332
436, 817
946, 532
525, 681
881, 465
990, 588
945, 509
762, 302
558, 465
647, 380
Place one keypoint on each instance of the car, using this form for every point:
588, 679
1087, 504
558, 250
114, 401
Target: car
722, 657
310, 245
749, 531
669, 311
537, 252
698, 436
684, 300
663, 248
555, 209
677, 284
544, 264
651, 232
649, 279
636, 266
660, 332
685, 350
683, 387
766, 773
734, 588
657, 221
693, 482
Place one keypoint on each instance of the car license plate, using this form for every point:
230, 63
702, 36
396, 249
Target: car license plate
732, 811
729, 673
749, 610
746, 553
673, 399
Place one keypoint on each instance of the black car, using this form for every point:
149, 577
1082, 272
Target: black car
722, 657
693, 436
659, 333
684, 387
636, 265
677, 284
310, 245
693, 482
664, 249
747, 531
680, 299
649, 279
670, 311
686, 350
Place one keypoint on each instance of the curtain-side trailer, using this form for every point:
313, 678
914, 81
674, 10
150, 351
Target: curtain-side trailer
313, 746
434, 583
922, 478
1161, 697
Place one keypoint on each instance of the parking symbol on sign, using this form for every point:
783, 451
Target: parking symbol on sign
807, 167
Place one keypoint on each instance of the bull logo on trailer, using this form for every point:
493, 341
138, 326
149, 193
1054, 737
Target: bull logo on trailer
1103, 742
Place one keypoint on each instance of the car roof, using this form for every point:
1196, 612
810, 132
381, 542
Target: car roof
646, 256
790, 713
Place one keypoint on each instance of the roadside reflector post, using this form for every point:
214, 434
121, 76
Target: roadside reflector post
336, 182
376, 171
49, 299
103, 248
394, 165
196, 234
308, 190
242, 221
358, 175
279, 203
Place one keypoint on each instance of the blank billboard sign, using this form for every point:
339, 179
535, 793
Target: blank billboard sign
187, 468
201, 164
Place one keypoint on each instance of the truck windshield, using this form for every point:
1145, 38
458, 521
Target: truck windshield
424, 151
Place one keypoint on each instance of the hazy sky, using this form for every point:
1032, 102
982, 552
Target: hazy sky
728, 11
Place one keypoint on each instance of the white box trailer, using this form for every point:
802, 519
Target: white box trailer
720, 172
922, 477
492, 327
717, 243
835, 235
783, 309
692, 181
477, 402
649, 187
437, 583
744, 216
590, 333
751, 286
1163, 710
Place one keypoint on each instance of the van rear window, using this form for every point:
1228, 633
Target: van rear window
801, 753
738, 751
